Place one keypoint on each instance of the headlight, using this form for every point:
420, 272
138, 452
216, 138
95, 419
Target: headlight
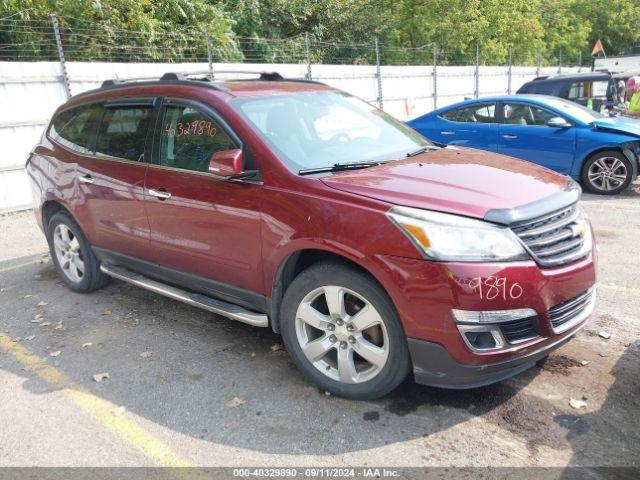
440, 236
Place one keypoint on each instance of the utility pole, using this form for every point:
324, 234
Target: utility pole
306, 43
560, 61
477, 72
209, 53
510, 69
580, 61
378, 74
435, 76
63, 63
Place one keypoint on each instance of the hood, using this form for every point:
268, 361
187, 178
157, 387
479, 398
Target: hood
628, 126
454, 180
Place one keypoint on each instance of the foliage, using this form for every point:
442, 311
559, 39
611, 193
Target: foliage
337, 31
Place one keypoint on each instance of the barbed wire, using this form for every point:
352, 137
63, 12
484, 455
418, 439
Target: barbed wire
35, 40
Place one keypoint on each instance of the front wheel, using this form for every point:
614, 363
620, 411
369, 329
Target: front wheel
607, 173
343, 332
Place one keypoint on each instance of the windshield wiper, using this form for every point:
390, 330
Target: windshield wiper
426, 148
338, 167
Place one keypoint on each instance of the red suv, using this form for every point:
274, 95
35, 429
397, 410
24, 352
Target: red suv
291, 205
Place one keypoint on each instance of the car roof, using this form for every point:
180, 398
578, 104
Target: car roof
573, 76
267, 83
526, 97
251, 88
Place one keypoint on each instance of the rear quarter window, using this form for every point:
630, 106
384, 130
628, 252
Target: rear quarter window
75, 128
477, 113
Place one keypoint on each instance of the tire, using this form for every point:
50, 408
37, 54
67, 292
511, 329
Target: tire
337, 345
607, 173
72, 256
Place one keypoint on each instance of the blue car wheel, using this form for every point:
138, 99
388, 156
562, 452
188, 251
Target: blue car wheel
607, 173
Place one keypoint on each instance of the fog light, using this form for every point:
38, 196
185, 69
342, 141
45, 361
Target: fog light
481, 340
482, 337
491, 316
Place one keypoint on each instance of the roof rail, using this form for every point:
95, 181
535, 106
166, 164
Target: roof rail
263, 75
198, 76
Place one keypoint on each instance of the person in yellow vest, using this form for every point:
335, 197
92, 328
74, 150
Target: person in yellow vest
633, 93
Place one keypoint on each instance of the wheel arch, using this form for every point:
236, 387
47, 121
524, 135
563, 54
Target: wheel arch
296, 262
618, 148
49, 209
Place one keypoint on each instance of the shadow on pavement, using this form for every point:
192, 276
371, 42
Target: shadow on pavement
200, 362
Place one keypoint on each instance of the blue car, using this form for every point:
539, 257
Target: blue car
600, 152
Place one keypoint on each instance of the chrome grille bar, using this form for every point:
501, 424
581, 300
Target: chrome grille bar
570, 313
555, 238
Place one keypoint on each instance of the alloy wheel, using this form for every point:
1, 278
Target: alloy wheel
342, 334
68, 253
607, 173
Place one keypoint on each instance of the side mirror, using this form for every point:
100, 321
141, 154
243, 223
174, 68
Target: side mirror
226, 163
558, 122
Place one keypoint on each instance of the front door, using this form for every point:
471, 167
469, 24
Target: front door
205, 231
523, 133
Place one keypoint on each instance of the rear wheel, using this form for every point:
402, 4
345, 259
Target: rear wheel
607, 173
343, 333
72, 256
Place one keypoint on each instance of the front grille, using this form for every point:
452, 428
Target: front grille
566, 311
520, 330
556, 238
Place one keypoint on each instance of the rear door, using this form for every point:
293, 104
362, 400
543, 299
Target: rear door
523, 133
467, 126
112, 179
205, 231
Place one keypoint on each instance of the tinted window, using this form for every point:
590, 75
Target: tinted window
582, 91
75, 128
526, 115
123, 132
190, 138
471, 114
543, 88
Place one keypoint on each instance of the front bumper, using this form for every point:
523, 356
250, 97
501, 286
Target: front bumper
426, 292
432, 364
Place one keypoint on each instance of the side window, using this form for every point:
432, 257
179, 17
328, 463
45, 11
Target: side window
483, 113
123, 132
526, 115
75, 128
190, 138
589, 89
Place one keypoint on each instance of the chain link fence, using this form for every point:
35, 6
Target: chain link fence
44, 61
71, 39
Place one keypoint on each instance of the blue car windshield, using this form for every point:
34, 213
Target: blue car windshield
320, 129
575, 110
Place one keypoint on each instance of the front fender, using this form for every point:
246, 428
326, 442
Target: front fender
592, 142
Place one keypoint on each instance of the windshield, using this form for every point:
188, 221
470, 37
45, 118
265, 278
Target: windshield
577, 111
320, 129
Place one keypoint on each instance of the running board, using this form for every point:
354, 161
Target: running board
195, 299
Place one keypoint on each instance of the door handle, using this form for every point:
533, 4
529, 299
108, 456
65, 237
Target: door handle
447, 132
86, 179
509, 137
161, 194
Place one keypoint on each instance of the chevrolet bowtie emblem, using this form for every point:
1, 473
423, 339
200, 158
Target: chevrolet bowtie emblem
577, 229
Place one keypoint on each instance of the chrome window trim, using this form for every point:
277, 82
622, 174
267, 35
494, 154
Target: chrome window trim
204, 174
